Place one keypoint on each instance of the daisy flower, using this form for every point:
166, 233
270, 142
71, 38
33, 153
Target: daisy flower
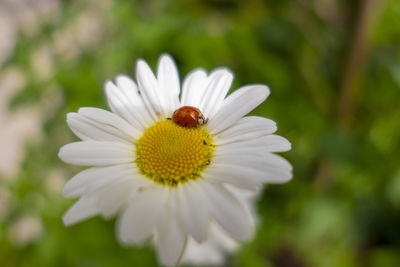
179, 166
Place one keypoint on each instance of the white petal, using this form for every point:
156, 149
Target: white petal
168, 82
77, 185
135, 103
117, 193
206, 253
101, 125
246, 128
83, 209
108, 118
245, 196
194, 88
105, 199
276, 143
138, 221
255, 160
170, 237
85, 129
105, 181
236, 105
270, 168
223, 174
224, 240
228, 211
212, 251
268, 143
106, 196
148, 86
219, 83
120, 103
192, 205
96, 153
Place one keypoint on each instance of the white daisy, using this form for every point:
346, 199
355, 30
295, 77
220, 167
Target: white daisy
180, 186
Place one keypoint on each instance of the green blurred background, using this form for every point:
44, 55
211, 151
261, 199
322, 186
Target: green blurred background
334, 71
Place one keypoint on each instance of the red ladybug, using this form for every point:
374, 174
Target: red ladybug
188, 116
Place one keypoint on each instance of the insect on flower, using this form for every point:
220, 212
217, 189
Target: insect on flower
188, 116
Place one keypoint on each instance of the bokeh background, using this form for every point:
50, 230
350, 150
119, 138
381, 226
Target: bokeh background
333, 67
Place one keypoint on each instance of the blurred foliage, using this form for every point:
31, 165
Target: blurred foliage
343, 206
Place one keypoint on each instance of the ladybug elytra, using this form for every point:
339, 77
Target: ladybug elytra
188, 116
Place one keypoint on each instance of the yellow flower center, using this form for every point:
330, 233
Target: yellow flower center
170, 154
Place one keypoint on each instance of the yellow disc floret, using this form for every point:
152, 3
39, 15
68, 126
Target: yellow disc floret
170, 154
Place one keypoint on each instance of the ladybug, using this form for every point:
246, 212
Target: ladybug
188, 116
